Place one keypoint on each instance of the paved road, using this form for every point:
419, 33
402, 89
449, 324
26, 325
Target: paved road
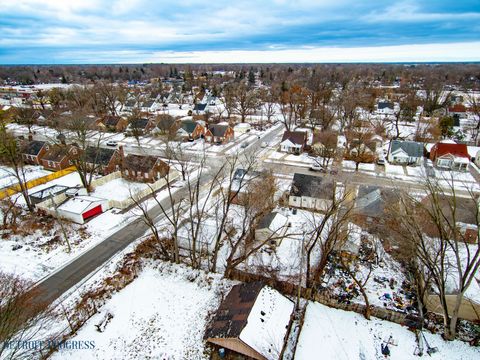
53, 286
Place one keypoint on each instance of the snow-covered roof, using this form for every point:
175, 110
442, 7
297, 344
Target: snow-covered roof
273, 221
267, 323
78, 204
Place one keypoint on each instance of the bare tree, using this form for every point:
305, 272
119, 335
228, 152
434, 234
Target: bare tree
328, 233
429, 228
22, 317
10, 154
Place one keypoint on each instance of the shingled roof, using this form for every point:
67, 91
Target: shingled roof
218, 130
33, 147
232, 315
99, 156
312, 186
140, 163
296, 137
412, 148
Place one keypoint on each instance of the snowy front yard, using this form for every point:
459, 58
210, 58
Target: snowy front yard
343, 335
162, 315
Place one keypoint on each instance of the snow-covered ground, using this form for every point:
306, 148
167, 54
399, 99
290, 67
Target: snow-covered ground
161, 315
35, 257
8, 178
118, 189
342, 335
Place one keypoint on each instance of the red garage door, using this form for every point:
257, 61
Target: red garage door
92, 212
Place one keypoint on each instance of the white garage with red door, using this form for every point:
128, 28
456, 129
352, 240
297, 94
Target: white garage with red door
81, 208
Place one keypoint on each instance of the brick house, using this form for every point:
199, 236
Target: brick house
219, 134
59, 157
144, 168
103, 161
141, 126
190, 130
33, 151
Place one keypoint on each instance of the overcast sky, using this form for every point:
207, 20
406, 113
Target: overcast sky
137, 31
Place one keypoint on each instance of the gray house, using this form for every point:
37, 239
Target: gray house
405, 152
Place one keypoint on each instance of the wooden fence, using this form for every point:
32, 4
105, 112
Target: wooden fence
328, 300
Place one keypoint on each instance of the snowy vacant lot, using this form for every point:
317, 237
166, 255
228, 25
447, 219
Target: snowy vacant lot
343, 335
162, 315
118, 189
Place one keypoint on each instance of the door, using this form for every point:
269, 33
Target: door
92, 212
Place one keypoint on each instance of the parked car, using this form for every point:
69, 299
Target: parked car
381, 161
264, 144
112, 143
317, 168
244, 145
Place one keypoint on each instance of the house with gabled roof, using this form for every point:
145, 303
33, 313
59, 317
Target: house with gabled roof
252, 321
140, 125
293, 142
33, 151
144, 168
112, 123
405, 152
200, 108
311, 192
59, 157
450, 156
103, 161
219, 134
190, 130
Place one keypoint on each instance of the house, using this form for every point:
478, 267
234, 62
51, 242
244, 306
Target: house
458, 110
81, 208
140, 126
311, 192
149, 106
112, 123
293, 142
144, 168
272, 227
371, 201
200, 108
129, 105
405, 152
190, 130
47, 193
33, 151
103, 161
385, 107
219, 134
59, 157
252, 321
450, 156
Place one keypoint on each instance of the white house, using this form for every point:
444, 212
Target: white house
311, 192
405, 152
293, 142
